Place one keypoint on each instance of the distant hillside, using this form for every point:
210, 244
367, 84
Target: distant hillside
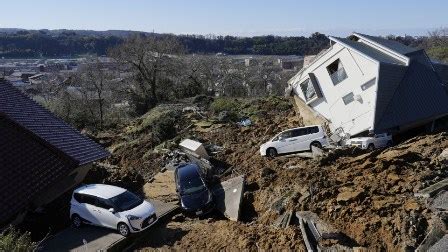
20, 43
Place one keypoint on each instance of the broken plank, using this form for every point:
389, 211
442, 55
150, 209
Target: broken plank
440, 246
319, 228
433, 189
283, 220
308, 244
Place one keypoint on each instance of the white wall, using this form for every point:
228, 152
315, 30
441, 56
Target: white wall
356, 116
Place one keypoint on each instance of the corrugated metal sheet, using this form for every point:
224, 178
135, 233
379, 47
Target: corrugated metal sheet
38, 120
370, 51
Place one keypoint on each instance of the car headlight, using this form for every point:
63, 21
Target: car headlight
132, 217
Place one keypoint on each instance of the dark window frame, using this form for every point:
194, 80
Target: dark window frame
304, 86
348, 98
368, 84
283, 133
337, 74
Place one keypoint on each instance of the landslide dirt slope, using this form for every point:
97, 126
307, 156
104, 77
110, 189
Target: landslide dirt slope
368, 196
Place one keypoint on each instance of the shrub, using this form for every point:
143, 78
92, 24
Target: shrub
224, 104
12, 240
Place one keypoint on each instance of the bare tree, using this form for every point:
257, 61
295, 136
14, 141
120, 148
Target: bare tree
438, 37
151, 59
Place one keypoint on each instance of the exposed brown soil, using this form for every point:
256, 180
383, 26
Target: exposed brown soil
368, 196
214, 235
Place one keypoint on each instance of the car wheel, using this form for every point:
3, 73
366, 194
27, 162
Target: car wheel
271, 152
76, 220
123, 229
316, 144
371, 147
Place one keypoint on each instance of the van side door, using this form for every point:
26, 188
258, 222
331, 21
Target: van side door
315, 134
283, 143
300, 140
90, 209
104, 216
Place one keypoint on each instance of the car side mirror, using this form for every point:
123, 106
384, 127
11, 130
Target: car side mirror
111, 210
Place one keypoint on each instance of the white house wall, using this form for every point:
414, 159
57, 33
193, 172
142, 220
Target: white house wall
357, 116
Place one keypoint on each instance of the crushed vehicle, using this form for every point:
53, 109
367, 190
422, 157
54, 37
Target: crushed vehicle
111, 207
372, 142
194, 193
295, 140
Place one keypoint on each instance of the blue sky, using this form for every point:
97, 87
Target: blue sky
230, 17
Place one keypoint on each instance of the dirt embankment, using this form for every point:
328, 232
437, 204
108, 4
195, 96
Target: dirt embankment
368, 196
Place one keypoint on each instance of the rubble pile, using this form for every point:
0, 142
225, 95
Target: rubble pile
367, 196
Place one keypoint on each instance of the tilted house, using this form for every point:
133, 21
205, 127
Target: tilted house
41, 156
370, 84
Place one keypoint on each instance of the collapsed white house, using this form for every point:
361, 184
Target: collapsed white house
370, 84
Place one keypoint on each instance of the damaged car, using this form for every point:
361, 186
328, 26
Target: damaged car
295, 140
372, 142
111, 207
194, 195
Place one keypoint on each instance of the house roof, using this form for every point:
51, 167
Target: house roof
442, 71
37, 150
389, 78
419, 95
27, 168
390, 44
53, 131
368, 51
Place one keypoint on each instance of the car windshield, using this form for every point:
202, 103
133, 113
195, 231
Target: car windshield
126, 201
192, 184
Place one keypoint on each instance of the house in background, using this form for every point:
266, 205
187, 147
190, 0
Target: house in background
364, 84
41, 156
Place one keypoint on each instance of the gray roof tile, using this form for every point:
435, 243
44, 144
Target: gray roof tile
42, 123
419, 95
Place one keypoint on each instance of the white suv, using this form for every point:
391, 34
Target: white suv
294, 140
111, 207
373, 142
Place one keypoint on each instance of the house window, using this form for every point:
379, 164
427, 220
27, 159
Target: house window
337, 72
348, 98
308, 90
368, 84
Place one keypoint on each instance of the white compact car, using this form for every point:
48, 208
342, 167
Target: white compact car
373, 142
111, 207
295, 140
